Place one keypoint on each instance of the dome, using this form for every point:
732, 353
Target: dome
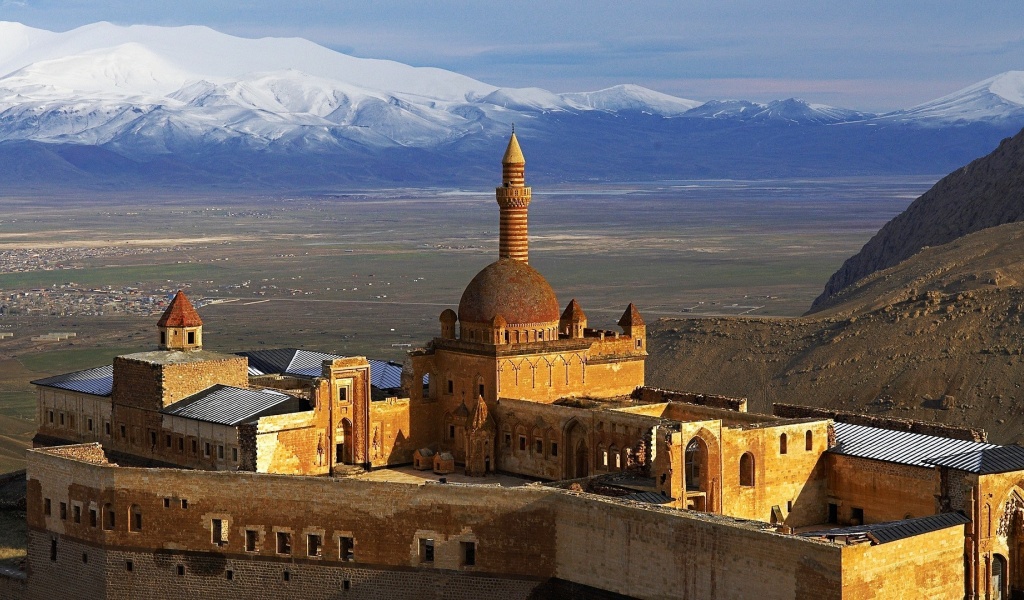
511, 289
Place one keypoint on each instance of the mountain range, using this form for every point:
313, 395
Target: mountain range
111, 106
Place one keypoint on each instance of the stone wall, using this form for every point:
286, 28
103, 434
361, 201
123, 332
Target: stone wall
924, 566
924, 427
884, 491
198, 521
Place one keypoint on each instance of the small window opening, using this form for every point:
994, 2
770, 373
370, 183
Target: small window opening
106, 429
314, 545
206, 449
89, 424
508, 440
287, 576
234, 454
809, 441
76, 513
554, 448
857, 516
195, 447
167, 440
163, 338
63, 511
191, 337
50, 415
451, 386
522, 443
747, 469
284, 542
229, 574
124, 432
129, 566
109, 517
218, 532
346, 549
833, 512
181, 570
468, 553
53, 549
152, 438
61, 418
782, 444
251, 539
480, 389
85, 558
426, 550
181, 444
451, 432
184, 503
93, 517
167, 502
220, 452
538, 446
46, 506
346, 584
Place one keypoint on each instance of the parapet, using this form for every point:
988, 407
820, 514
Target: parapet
913, 426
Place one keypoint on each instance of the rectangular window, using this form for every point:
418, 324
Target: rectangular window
451, 386
181, 570
857, 516
508, 440
220, 452
129, 566
61, 418
167, 502
314, 544
219, 533
206, 449
251, 540
468, 553
195, 447
554, 448
538, 446
53, 549
481, 390
89, 424
106, 428
50, 415
93, 517
191, 337
135, 524
234, 454
522, 443
346, 549
426, 550
184, 503
152, 439
284, 542
124, 432
451, 432
63, 511
76, 513
167, 440
229, 574
833, 512
342, 394
181, 444
46, 506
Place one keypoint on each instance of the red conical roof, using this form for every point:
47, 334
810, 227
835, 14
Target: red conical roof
631, 318
180, 313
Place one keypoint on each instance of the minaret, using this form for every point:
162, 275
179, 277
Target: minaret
513, 200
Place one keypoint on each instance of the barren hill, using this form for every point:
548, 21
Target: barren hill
945, 322
985, 193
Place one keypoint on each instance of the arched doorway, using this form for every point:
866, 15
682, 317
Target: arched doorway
344, 450
999, 578
697, 479
577, 450
582, 468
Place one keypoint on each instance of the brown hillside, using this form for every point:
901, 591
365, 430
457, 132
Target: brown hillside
985, 193
946, 322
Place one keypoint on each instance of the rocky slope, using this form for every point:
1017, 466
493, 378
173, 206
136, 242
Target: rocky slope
985, 193
937, 337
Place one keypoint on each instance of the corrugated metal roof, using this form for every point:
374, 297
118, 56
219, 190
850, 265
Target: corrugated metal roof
384, 374
1001, 459
882, 533
230, 405
898, 446
98, 381
648, 497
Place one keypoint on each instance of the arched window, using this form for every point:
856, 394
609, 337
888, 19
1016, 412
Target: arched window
108, 516
135, 518
809, 441
782, 444
615, 457
747, 469
604, 456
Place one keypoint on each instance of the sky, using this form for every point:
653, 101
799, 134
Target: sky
868, 54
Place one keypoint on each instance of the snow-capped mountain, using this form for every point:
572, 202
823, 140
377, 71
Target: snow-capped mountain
999, 98
190, 104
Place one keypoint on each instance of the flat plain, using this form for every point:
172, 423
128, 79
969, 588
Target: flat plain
367, 272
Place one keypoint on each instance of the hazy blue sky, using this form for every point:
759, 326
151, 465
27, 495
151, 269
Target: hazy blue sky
864, 54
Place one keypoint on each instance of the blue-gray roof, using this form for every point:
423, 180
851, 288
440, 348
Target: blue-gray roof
901, 447
230, 405
882, 533
1002, 459
98, 381
384, 374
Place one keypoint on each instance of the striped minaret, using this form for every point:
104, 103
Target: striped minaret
513, 199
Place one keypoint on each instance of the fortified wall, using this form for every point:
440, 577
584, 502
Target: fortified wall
219, 534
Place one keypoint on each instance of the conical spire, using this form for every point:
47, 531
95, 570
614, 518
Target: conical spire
631, 318
513, 153
180, 313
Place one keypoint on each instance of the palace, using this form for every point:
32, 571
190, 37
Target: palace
519, 454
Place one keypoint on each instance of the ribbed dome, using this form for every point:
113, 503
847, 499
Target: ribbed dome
512, 289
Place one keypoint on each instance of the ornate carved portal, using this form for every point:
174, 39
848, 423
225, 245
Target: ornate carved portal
1008, 573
